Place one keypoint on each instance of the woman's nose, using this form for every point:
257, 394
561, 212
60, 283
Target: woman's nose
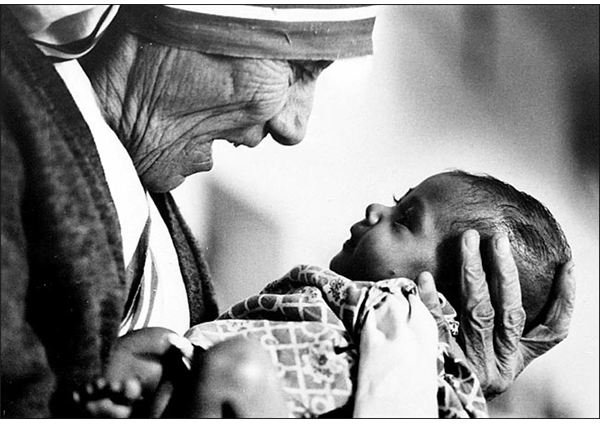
288, 127
374, 213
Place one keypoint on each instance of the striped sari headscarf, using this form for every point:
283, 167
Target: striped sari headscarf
300, 32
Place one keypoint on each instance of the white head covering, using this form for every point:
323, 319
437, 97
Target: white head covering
301, 32
64, 32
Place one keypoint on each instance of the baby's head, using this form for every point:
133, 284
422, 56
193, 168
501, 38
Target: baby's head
421, 232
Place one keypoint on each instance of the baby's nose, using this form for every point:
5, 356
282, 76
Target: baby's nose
374, 213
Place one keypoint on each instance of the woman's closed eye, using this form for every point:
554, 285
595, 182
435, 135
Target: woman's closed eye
309, 69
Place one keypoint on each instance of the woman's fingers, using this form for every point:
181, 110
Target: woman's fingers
555, 327
510, 317
429, 295
507, 302
477, 317
492, 318
559, 315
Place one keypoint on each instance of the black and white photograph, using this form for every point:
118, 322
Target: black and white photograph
244, 211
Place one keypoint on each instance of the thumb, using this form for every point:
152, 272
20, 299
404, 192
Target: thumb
429, 296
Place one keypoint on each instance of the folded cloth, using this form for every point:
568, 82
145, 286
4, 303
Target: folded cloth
310, 321
289, 32
64, 32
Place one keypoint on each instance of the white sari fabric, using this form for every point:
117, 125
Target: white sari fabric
157, 294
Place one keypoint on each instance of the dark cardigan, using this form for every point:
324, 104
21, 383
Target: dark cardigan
63, 286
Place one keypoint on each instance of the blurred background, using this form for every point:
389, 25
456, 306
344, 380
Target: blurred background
507, 90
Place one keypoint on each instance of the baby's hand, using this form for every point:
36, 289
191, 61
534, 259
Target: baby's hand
139, 363
101, 399
397, 371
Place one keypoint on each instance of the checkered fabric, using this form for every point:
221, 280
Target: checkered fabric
309, 321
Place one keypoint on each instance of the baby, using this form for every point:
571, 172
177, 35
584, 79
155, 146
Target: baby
421, 231
309, 321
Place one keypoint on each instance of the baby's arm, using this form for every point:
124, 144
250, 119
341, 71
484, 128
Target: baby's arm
146, 377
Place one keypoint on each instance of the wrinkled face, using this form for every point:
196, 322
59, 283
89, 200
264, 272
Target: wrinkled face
168, 105
239, 100
398, 240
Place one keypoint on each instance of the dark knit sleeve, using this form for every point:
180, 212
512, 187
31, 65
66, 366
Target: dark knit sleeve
194, 269
27, 382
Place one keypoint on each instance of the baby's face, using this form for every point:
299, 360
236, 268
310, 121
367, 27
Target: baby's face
398, 240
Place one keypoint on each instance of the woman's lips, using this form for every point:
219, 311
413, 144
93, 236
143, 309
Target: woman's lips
247, 141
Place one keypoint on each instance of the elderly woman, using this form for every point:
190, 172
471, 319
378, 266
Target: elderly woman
93, 245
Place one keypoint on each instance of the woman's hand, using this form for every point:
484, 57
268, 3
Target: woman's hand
397, 370
498, 353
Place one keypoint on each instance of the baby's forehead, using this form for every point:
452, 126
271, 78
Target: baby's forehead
442, 186
447, 197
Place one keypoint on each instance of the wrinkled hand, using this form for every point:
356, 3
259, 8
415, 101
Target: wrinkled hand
498, 353
397, 374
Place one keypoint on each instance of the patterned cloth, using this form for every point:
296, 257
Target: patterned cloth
310, 321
